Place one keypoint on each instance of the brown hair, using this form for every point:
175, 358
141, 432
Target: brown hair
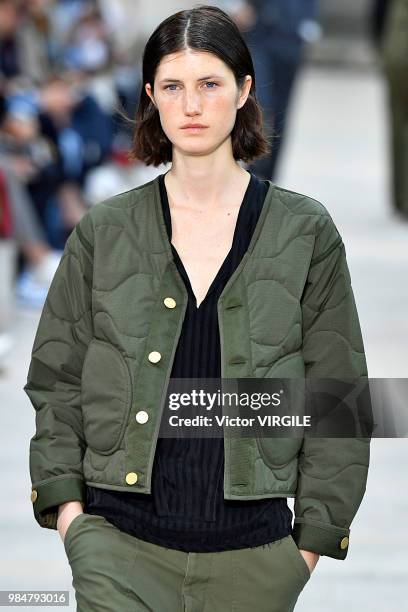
205, 28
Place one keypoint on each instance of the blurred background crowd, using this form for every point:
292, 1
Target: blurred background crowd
70, 70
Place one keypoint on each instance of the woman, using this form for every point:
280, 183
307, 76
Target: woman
205, 271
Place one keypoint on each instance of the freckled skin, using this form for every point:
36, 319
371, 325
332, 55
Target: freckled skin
213, 102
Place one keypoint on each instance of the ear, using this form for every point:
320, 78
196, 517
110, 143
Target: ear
148, 90
244, 92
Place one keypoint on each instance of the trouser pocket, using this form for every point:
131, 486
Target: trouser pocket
298, 558
101, 557
271, 575
71, 528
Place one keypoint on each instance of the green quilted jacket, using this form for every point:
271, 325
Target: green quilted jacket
107, 336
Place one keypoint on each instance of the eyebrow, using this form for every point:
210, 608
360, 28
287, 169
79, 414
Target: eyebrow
210, 76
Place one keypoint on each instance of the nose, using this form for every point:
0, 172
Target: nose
191, 102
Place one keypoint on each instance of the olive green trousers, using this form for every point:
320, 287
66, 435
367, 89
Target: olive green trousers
113, 571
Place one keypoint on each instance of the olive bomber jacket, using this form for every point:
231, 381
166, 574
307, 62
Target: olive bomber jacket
107, 336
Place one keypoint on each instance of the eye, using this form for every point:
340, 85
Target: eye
211, 83
171, 85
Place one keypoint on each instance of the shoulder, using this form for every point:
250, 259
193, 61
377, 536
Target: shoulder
311, 216
123, 201
299, 203
115, 210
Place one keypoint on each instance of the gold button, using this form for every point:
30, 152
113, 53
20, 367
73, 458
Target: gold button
34, 495
131, 478
344, 543
169, 302
142, 416
154, 356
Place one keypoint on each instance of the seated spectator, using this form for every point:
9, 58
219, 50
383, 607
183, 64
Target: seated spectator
18, 219
81, 136
25, 32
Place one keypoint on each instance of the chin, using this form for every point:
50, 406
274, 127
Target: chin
195, 149
198, 148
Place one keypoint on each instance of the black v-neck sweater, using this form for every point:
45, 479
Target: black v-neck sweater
186, 509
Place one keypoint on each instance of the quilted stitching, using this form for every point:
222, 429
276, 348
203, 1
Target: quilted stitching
298, 319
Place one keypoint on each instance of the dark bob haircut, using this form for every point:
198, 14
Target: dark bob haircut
203, 28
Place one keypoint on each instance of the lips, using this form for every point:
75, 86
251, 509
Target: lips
194, 126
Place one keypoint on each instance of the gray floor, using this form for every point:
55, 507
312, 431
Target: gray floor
336, 152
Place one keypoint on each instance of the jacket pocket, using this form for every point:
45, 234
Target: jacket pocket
106, 396
278, 452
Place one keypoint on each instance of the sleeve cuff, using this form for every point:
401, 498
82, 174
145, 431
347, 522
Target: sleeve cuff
327, 540
47, 495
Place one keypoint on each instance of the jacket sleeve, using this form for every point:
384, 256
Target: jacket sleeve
54, 381
332, 472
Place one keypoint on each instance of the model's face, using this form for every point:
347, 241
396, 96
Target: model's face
197, 87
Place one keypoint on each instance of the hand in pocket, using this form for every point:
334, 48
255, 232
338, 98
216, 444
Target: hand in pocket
311, 559
66, 514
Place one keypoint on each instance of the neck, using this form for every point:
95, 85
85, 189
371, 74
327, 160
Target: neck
205, 182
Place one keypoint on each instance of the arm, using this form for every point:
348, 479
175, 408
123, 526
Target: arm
66, 513
54, 381
332, 472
